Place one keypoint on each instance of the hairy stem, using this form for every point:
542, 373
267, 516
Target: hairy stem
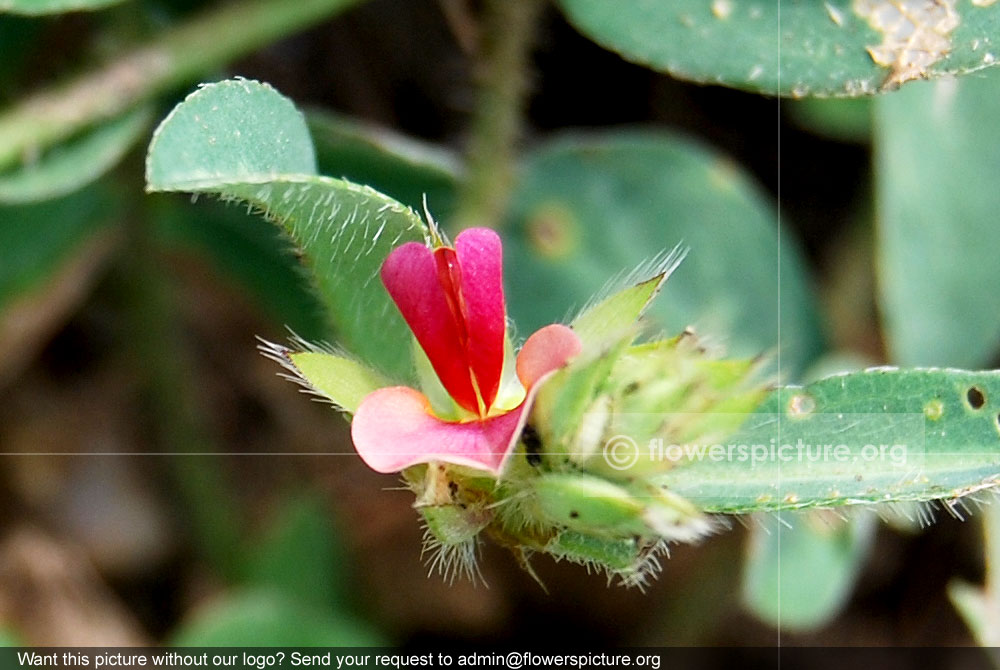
173, 59
507, 38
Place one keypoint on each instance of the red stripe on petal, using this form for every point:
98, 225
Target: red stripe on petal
410, 274
547, 350
394, 429
480, 258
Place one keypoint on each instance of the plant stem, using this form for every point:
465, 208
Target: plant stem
175, 58
507, 38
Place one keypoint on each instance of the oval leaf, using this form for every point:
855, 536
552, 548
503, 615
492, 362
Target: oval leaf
779, 576
787, 47
937, 156
242, 140
588, 208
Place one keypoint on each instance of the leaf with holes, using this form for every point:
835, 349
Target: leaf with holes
840, 48
242, 140
880, 435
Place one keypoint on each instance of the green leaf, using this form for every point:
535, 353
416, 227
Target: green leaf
829, 48
880, 435
40, 7
242, 140
231, 132
300, 556
938, 152
75, 163
780, 582
589, 207
399, 166
267, 618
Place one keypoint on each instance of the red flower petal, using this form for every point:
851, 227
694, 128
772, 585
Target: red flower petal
547, 350
480, 259
410, 274
394, 429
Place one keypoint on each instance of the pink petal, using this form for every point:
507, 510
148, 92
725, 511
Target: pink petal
394, 429
480, 257
547, 350
410, 275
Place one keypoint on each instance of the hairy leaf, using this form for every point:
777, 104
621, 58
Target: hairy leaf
242, 140
880, 435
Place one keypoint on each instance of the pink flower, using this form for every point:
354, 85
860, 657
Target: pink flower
452, 299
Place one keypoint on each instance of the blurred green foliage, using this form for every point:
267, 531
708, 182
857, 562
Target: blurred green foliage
776, 586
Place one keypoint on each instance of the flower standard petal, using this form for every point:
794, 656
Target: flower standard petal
410, 274
480, 259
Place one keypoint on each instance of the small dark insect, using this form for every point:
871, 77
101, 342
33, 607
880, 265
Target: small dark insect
532, 445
